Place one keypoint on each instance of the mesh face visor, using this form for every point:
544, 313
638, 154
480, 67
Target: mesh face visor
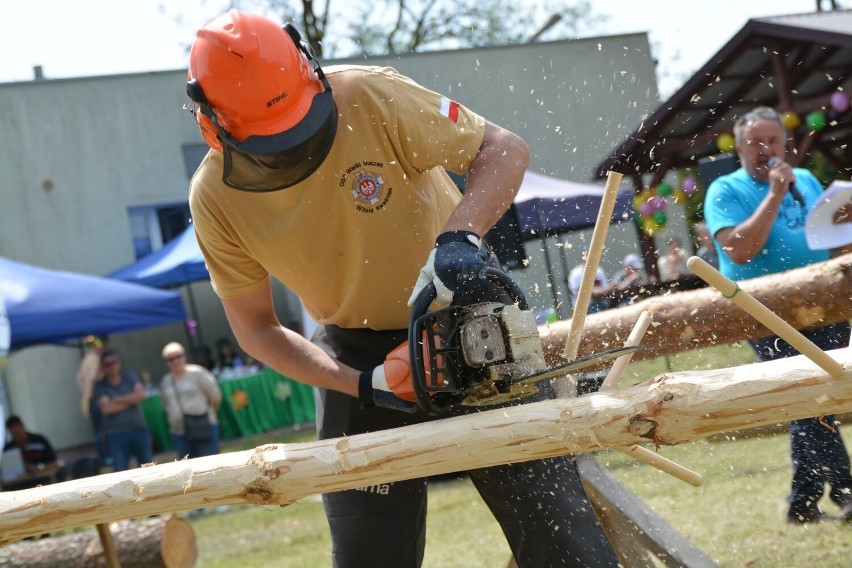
279, 161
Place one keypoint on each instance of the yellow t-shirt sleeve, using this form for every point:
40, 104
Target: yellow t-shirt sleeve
233, 271
434, 130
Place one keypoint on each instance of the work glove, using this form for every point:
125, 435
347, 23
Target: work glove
389, 385
455, 264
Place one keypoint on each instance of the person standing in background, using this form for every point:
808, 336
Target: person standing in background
600, 288
757, 218
706, 250
88, 374
672, 265
189, 389
631, 279
118, 396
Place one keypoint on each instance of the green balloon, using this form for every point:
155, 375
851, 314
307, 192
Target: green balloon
664, 189
659, 218
815, 120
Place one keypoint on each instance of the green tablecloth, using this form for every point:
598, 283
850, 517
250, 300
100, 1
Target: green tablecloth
250, 405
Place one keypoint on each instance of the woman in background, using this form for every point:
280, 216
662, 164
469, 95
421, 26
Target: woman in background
189, 389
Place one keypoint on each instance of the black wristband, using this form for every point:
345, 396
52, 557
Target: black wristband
468, 237
365, 389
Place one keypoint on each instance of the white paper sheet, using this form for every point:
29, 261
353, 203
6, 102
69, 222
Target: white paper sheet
820, 230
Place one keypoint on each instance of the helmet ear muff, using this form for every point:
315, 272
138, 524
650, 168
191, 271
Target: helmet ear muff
208, 131
205, 123
301, 44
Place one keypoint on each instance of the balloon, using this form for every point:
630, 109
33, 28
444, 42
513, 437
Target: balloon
680, 197
725, 142
659, 218
664, 188
815, 120
649, 227
658, 203
643, 197
791, 120
239, 399
840, 101
646, 209
689, 185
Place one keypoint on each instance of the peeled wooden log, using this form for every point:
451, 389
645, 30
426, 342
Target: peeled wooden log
156, 542
805, 297
672, 408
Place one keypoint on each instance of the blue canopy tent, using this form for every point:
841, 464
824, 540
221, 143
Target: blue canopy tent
52, 306
551, 206
547, 206
179, 262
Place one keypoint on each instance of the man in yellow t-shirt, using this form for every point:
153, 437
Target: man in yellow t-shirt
334, 182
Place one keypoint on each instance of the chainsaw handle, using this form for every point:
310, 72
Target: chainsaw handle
415, 349
435, 403
494, 275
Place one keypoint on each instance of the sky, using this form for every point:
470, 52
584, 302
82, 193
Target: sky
106, 37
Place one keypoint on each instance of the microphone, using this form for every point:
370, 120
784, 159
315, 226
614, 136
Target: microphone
794, 191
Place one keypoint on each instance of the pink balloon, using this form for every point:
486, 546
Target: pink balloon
658, 203
689, 185
840, 101
646, 209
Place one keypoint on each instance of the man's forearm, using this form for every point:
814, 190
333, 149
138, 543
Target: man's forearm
113, 406
493, 181
297, 358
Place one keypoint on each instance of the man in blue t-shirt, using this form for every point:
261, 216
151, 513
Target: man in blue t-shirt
757, 218
118, 396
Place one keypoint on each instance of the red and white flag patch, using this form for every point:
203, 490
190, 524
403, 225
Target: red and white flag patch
450, 109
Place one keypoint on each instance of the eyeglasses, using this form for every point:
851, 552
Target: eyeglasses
171, 358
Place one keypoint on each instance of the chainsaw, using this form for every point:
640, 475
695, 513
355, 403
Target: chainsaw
484, 354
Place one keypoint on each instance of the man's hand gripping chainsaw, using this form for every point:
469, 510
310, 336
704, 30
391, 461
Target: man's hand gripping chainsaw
483, 354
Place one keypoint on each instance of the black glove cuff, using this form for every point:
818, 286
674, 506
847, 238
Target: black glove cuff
468, 237
365, 389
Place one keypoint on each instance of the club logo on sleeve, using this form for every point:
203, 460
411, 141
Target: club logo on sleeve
367, 187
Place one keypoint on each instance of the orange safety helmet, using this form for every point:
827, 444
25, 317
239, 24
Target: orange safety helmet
260, 98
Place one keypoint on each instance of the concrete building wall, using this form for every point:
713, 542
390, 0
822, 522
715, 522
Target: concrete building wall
77, 154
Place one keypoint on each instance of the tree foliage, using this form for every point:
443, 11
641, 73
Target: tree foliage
376, 27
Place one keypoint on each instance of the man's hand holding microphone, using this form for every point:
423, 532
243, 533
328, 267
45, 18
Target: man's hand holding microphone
780, 172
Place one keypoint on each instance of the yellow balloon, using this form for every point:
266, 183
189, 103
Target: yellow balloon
725, 142
679, 197
649, 227
643, 197
791, 120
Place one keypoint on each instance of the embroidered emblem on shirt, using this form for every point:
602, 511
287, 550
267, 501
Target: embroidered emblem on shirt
368, 188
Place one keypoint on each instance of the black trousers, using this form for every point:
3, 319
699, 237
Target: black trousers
818, 452
540, 505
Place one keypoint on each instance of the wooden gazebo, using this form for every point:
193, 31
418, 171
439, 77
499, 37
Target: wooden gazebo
792, 63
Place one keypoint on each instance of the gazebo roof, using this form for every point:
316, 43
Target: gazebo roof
790, 62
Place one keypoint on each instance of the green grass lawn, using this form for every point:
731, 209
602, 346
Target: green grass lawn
737, 516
